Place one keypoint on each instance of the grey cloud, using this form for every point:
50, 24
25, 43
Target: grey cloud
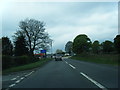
65, 20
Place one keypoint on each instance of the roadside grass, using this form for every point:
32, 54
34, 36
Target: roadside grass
111, 59
27, 66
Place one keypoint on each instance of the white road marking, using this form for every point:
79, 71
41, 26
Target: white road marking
72, 66
7, 89
26, 75
12, 85
29, 73
33, 71
66, 62
13, 78
22, 78
93, 81
17, 81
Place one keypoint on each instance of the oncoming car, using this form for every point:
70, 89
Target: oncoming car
58, 57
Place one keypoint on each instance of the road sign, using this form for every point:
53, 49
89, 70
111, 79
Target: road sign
43, 51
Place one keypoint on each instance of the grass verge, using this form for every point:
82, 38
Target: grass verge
102, 58
27, 66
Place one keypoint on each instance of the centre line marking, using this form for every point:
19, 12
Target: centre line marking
93, 81
66, 62
72, 66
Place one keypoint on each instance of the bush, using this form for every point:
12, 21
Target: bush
7, 61
21, 60
11, 61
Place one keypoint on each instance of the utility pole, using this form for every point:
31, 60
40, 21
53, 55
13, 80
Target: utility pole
51, 47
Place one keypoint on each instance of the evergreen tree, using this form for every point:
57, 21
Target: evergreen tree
117, 43
7, 47
20, 46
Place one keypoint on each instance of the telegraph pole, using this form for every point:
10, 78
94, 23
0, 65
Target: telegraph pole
51, 47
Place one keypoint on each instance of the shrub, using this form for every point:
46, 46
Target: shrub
11, 61
21, 60
7, 61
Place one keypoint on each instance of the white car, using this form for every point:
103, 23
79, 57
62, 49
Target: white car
58, 57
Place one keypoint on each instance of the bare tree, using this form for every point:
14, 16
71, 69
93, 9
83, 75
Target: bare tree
45, 43
35, 34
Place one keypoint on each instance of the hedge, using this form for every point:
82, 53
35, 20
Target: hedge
12, 61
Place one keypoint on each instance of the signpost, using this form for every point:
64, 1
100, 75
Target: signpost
44, 52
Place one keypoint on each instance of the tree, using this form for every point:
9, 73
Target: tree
46, 43
68, 47
20, 46
96, 47
59, 51
7, 47
81, 44
117, 43
108, 46
34, 33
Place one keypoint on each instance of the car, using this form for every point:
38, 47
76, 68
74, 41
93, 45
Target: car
58, 57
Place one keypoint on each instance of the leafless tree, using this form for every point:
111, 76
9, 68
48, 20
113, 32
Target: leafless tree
35, 34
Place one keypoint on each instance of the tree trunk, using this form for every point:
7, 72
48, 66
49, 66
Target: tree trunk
31, 53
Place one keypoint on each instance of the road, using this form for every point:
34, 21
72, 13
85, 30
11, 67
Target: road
68, 74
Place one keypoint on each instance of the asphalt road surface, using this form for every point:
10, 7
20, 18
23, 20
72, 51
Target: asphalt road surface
68, 74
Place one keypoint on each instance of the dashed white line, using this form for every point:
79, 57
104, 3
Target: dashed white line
93, 81
33, 71
29, 74
26, 75
18, 76
17, 81
66, 62
13, 78
7, 89
12, 85
22, 78
72, 66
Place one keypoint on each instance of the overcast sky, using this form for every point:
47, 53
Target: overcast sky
65, 20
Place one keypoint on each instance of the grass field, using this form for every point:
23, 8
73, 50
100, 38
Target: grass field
101, 58
27, 66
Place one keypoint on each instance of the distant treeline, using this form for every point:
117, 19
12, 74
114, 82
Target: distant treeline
82, 43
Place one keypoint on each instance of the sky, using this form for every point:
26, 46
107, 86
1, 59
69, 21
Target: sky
64, 20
